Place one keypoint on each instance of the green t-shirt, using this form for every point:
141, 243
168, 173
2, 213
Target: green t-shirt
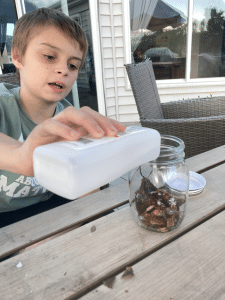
17, 191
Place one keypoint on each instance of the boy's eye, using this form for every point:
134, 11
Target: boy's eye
73, 67
49, 57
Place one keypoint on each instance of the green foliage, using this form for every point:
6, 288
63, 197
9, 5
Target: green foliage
216, 22
210, 40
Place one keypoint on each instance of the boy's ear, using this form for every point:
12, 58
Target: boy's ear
16, 58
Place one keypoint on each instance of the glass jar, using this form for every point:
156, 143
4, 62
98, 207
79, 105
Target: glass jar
159, 189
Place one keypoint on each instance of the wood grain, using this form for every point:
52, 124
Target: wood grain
78, 260
192, 267
207, 159
29, 231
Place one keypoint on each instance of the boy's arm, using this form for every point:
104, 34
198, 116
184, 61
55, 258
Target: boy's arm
9, 154
70, 124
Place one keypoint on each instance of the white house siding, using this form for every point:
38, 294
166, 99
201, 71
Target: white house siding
119, 99
180, 91
120, 104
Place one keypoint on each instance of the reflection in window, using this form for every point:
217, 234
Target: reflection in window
34, 4
158, 32
8, 19
208, 39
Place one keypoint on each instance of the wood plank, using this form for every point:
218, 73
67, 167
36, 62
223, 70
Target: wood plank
78, 260
207, 159
192, 267
29, 231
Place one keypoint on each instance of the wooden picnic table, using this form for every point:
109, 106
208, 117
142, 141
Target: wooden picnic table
187, 263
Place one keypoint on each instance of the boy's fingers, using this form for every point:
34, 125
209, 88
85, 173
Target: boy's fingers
51, 130
110, 127
77, 118
119, 126
82, 131
92, 122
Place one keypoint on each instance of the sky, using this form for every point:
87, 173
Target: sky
10, 28
43, 3
199, 6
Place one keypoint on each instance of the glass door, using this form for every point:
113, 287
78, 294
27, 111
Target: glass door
8, 18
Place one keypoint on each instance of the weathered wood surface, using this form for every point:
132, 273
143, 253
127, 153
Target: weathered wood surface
192, 267
31, 230
36, 228
76, 261
207, 159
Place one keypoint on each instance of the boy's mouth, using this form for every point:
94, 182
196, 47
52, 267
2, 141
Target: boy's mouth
59, 85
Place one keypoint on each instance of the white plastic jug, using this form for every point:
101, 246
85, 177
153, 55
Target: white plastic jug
72, 169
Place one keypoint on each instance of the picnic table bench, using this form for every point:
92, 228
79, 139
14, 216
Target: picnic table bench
88, 262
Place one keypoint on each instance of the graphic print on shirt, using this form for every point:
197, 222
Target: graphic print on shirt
23, 186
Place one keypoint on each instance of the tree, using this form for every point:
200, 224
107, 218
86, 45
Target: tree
216, 22
202, 25
210, 41
195, 26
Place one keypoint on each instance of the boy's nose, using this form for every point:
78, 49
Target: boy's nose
62, 69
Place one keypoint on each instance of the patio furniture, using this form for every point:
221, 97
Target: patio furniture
200, 122
88, 262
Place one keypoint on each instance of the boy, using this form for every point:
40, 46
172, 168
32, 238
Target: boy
48, 51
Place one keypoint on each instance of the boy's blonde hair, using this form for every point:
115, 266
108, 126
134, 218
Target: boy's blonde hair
26, 25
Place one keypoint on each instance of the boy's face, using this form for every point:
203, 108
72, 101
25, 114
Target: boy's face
50, 65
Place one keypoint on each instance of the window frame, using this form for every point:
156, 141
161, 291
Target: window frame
169, 83
20, 7
97, 53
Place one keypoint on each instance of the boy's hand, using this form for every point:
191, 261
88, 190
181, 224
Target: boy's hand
70, 124
85, 120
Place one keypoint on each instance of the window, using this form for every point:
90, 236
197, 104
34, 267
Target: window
8, 19
208, 39
179, 49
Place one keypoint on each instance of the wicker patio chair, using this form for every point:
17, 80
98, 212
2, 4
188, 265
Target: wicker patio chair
200, 122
